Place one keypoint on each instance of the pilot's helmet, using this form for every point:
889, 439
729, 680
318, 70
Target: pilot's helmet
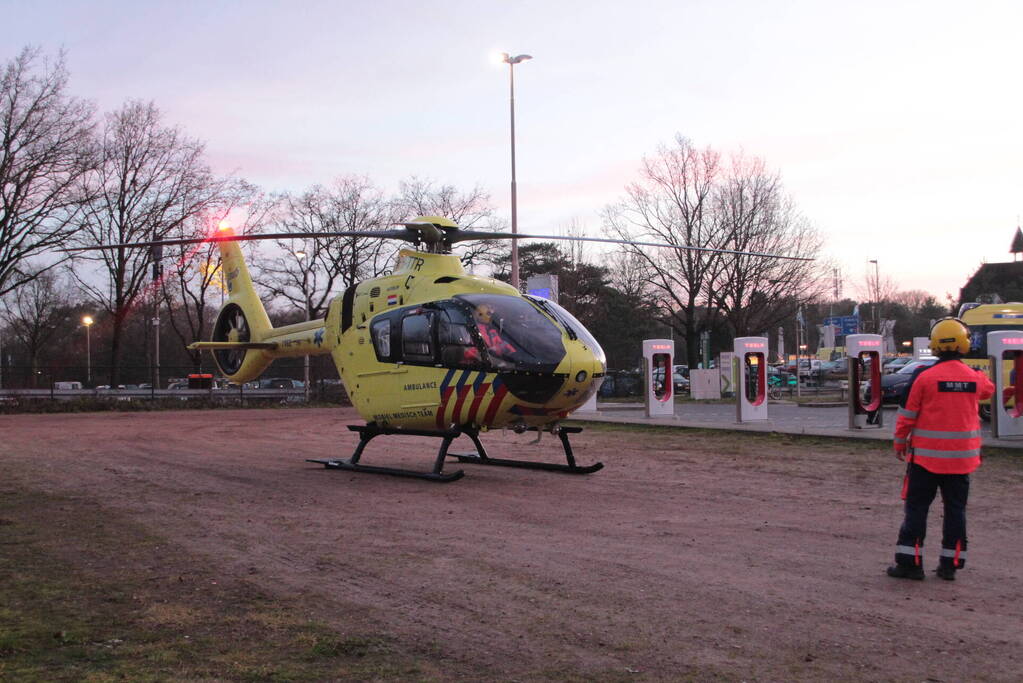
484, 313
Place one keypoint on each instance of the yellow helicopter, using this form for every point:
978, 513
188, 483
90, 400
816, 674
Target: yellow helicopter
428, 350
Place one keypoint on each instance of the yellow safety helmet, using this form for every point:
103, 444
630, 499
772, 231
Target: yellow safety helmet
950, 334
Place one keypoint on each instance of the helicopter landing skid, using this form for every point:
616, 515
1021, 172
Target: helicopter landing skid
480, 457
367, 432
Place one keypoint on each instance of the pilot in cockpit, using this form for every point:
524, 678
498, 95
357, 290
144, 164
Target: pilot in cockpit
490, 330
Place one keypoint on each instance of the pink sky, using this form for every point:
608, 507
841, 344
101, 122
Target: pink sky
895, 125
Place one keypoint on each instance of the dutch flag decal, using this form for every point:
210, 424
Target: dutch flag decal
392, 299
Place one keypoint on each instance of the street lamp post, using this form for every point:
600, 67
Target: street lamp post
877, 292
511, 62
87, 321
157, 255
301, 256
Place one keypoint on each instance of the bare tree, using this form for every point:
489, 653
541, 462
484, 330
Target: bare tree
575, 248
152, 178
672, 202
755, 293
876, 286
628, 273
686, 196
879, 290
193, 284
46, 153
469, 209
309, 272
34, 313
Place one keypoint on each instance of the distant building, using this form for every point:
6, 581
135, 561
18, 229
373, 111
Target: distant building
997, 282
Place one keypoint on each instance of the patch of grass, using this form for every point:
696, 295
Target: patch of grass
80, 601
355, 646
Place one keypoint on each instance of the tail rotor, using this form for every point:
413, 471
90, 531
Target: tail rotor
231, 326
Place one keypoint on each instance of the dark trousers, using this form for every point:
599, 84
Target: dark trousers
923, 485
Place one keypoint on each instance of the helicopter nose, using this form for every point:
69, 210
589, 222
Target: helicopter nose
584, 380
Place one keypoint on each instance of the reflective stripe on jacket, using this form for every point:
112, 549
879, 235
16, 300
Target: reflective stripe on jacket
940, 421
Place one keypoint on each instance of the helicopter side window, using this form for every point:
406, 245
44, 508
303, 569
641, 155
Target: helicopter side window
416, 337
457, 348
381, 333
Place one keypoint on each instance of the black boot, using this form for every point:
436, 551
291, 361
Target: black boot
901, 571
946, 571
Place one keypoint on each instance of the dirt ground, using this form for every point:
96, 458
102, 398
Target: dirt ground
691, 555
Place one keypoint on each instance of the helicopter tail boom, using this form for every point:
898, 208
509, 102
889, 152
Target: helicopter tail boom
244, 342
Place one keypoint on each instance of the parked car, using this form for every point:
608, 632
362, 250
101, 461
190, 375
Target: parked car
809, 367
279, 383
895, 364
895, 386
834, 369
679, 381
806, 366
621, 383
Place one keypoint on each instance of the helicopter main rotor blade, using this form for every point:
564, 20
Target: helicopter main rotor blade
420, 232
463, 236
407, 235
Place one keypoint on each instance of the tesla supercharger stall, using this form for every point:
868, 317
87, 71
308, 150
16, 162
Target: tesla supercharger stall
659, 355
750, 361
1006, 347
864, 354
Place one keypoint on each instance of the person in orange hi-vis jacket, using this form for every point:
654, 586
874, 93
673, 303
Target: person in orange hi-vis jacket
938, 435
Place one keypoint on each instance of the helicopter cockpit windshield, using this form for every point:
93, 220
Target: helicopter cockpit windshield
573, 327
515, 334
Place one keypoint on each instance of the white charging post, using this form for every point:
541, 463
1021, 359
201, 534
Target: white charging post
750, 360
1005, 351
659, 354
864, 354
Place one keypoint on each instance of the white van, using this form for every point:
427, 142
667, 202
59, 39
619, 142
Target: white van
66, 386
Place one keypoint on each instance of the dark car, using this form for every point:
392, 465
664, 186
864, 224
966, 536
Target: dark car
893, 365
895, 386
679, 380
621, 383
833, 369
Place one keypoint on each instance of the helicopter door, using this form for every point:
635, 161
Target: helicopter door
417, 338
457, 348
